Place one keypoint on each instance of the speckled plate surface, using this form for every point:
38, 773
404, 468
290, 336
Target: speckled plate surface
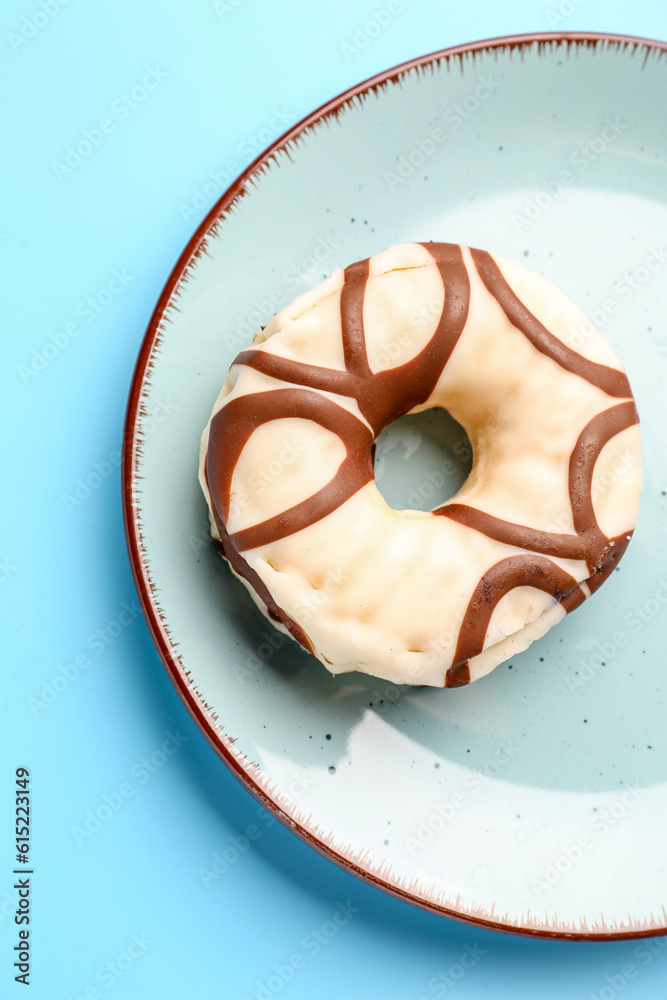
536, 799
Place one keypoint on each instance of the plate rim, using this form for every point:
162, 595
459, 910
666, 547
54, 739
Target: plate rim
131, 448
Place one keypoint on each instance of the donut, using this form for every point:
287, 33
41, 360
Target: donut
436, 597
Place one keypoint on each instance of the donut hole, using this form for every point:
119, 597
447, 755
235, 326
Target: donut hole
422, 460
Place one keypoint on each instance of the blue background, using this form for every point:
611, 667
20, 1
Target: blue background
85, 251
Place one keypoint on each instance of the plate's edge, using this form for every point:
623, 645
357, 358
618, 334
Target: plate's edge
132, 447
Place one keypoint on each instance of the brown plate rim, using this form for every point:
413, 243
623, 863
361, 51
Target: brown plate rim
157, 625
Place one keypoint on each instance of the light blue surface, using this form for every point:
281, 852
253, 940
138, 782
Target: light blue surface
225, 81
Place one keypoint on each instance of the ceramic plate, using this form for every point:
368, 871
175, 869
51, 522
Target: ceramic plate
534, 800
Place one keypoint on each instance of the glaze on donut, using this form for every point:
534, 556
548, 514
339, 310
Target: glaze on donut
437, 597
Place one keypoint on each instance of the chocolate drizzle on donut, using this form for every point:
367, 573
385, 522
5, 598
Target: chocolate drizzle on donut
235, 428
594, 436
352, 319
589, 542
514, 572
383, 397
610, 380
506, 575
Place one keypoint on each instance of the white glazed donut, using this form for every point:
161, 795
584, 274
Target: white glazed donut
423, 597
